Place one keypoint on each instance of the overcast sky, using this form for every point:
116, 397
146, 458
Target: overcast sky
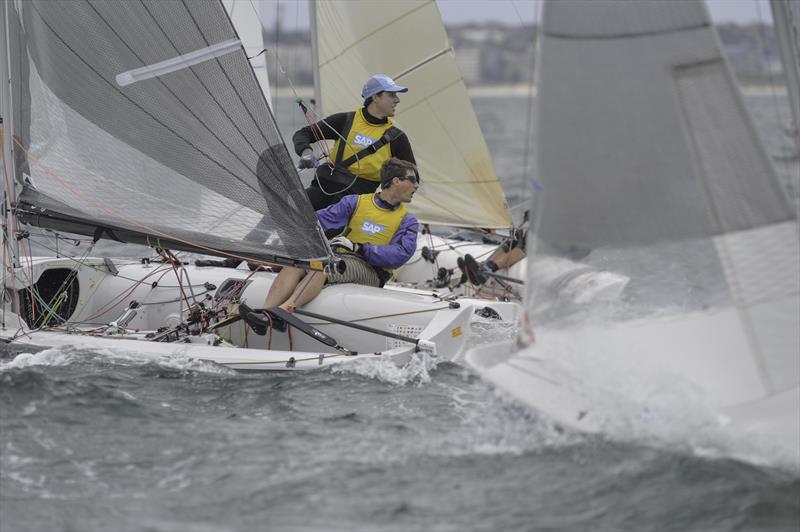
457, 11
511, 12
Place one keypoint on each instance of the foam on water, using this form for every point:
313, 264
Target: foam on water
47, 357
69, 355
640, 404
416, 371
494, 425
486, 331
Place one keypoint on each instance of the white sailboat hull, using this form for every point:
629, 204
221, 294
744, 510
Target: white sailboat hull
250, 358
441, 326
584, 377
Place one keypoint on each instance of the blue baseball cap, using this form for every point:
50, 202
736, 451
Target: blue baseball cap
380, 83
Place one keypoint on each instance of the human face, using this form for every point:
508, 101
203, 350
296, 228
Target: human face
384, 104
406, 186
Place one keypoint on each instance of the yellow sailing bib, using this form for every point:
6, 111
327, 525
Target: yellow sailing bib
374, 224
361, 135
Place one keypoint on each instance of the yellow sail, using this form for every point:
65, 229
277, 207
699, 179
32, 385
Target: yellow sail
407, 41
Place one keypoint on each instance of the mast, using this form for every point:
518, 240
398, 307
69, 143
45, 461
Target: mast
8, 139
786, 31
312, 17
9, 173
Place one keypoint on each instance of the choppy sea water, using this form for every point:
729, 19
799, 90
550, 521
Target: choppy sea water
117, 441
105, 441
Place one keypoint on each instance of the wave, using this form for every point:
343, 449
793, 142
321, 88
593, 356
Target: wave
73, 356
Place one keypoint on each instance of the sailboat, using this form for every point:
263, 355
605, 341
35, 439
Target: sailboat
647, 155
351, 40
144, 123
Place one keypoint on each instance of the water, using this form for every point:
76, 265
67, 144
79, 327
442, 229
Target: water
116, 441
98, 443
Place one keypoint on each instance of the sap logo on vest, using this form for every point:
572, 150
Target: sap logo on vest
362, 140
372, 228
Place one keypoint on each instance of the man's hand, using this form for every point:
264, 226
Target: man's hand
346, 243
307, 159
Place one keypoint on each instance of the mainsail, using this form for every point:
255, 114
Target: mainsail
646, 152
650, 164
246, 18
406, 40
190, 158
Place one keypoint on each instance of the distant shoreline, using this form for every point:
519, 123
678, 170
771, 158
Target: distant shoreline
522, 90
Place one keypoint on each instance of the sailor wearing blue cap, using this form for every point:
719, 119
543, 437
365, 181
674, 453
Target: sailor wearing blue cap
365, 139
380, 83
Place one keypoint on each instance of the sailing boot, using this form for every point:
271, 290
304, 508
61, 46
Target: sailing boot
462, 267
473, 270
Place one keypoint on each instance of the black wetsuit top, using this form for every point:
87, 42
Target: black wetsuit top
333, 126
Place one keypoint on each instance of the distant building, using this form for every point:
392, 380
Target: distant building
469, 61
496, 54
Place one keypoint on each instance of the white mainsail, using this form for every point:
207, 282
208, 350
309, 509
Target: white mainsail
246, 18
406, 40
648, 158
190, 159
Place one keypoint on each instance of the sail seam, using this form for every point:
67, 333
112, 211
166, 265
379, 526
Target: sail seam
225, 73
167, 127
460, 217
166, 36
274, 175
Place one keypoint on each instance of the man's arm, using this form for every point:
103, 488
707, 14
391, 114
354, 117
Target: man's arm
332, 128
401, 148
337, 215
399, 250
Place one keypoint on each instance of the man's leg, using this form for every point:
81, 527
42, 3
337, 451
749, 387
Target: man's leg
283, 286
306, 290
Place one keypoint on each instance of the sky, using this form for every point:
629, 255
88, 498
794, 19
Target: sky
459, 11
511, 12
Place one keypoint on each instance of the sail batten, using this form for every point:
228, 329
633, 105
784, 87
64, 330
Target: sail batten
165, 155
422, 63
627, 35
